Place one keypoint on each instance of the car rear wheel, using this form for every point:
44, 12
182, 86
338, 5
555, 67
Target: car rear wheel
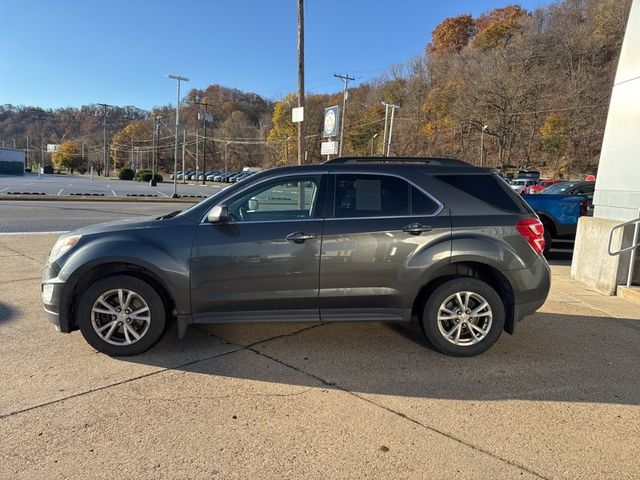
121, 315
463, 317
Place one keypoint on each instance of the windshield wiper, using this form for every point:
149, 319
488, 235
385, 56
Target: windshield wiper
169, 215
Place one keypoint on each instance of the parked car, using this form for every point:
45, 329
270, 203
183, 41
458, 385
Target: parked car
522, 185
558, 212
541, 185
439, 241
179, 172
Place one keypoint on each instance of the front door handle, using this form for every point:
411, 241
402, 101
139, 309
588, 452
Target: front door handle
417, 228
299, 237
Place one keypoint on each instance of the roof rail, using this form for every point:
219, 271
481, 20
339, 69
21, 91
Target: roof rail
425, 160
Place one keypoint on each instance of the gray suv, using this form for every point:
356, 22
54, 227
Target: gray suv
394, 239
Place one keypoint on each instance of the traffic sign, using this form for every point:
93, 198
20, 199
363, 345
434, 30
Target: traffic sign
329, 148
297, 114
331, 121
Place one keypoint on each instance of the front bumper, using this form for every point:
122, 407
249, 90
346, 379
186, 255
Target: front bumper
53, 298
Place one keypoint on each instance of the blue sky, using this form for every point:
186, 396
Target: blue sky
71, 53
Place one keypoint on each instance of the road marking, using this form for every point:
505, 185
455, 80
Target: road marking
4, 189
114, 193
69, 184
60, 191
57, 232
29, 184
159, 193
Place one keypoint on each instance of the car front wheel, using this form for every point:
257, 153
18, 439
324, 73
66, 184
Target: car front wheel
121, 315
463, 317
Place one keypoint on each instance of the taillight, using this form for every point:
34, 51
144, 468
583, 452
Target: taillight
533, 232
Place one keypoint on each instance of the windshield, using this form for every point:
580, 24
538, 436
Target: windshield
558, 188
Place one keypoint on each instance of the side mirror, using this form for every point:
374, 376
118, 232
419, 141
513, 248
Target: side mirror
218, 214
252, 204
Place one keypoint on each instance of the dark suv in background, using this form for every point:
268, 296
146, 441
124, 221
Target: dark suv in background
352, 239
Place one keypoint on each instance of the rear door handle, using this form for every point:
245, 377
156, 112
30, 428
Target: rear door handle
299, 237
417, 228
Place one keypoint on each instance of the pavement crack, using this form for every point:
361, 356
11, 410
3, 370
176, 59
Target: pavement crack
221, 397
116, 384
398, 413
39, 262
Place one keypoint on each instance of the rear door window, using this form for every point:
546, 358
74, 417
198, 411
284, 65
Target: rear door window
359, 195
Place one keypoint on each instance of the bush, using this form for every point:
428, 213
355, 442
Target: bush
145, 176
126, 174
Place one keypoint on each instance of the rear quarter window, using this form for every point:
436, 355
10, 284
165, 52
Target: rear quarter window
488, 189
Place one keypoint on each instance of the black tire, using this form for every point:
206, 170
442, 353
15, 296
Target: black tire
479, 289
145, 293
548, 242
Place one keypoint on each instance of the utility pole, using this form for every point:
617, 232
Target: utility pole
28, 152
301, 151
226, 157
387, 140
205, 118
345, 78
154, 157
184, 145
197, 151
105, 154
178, 79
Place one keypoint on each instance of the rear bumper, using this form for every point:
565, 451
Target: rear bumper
531, 287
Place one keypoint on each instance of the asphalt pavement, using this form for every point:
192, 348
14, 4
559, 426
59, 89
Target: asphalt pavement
62, 185
53, 216
558, 400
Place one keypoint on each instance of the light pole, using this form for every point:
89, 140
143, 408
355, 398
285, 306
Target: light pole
484, 128
178, 79
372, 140
226, 157
387, 143
286, 150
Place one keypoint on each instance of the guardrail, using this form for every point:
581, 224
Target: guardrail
634, 244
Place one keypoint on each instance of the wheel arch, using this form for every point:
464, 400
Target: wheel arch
470, 269
83, 279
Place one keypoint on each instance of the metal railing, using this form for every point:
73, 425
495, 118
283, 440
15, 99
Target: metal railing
634, 244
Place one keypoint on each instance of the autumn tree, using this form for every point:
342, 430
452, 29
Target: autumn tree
452, 34
498, 26
68, 156
124, 143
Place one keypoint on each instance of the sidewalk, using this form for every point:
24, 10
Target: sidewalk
570, 292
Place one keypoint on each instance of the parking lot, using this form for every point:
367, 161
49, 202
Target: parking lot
560, 399
79, 185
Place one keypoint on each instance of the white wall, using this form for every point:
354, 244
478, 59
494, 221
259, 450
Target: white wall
617, 194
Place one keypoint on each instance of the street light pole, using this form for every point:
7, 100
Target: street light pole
372, 140
484, 127
178, 79
393, 111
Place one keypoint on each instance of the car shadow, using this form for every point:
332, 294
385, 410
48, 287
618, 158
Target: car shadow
552, 357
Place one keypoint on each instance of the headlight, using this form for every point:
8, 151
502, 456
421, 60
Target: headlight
62, 246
